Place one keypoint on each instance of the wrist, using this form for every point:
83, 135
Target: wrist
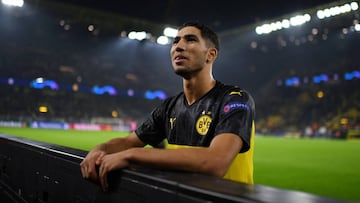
102, 148
130, 155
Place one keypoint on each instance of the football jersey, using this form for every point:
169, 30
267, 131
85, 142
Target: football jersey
224, 109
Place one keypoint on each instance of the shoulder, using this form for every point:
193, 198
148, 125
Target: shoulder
235, 97
169, 102
234, 91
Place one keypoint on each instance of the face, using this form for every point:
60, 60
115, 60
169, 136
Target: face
189, 52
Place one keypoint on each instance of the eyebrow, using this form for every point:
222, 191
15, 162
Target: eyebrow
186, 37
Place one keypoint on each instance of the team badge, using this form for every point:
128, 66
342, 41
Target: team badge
203, 124
236, 93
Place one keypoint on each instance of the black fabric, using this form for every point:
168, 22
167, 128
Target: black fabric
224, 109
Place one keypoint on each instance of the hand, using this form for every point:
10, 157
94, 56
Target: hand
89, 164
111, 162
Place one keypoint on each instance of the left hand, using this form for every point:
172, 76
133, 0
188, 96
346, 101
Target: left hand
109, 163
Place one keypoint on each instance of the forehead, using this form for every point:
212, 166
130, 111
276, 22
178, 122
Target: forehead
190, 30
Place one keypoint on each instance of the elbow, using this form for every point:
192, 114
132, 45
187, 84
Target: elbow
217, 168
218, 171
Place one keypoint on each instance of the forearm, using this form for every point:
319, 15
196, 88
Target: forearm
200, 160
212, 160
120, 144
113, 146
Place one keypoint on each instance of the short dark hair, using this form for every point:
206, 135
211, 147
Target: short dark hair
206, 32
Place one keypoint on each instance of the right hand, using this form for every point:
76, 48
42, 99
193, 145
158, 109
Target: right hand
90, 163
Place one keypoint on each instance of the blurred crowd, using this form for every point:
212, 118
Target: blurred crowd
34, 46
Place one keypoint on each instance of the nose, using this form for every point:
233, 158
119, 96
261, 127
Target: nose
179, 49
176, 49
179, 46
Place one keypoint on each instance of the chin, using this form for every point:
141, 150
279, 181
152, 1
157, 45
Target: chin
182, 72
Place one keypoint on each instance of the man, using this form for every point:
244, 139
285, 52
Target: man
209, 127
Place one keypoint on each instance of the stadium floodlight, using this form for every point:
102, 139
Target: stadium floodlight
357, 27
163, 40
300, 19
283, 24
337, 10
170, 32
16, 3
139, 35
354, 5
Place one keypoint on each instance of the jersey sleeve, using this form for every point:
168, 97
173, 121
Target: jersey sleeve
236, 116
152, 130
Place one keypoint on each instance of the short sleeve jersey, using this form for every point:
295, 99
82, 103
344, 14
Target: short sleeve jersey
224, 109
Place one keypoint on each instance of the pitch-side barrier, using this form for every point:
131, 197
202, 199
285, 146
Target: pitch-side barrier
36, 172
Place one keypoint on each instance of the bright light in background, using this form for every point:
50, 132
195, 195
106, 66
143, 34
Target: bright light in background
320, 94
91, 28
337, 10
40, 83
130, 92
344, 121
17, 3
357, 27
302, 19
163, 40
103, 90
138, 35
39, 80
43, 109
155, 94
282, 24
170, 32
299, 19
114, 114
75, 87
11, 81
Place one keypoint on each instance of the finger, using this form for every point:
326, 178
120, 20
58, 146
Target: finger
105, 187
103, 177
99, 159
93, 173
83, 170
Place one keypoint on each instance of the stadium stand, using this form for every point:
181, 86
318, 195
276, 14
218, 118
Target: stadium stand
278, 69
302, 78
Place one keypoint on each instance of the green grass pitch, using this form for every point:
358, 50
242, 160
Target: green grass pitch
319, 166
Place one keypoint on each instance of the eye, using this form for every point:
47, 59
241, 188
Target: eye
191, 38
176, 40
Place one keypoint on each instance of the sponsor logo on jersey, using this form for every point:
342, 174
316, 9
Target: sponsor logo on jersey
172, 122
203, 124
235, 105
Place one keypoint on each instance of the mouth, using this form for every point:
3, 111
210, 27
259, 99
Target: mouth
179, 59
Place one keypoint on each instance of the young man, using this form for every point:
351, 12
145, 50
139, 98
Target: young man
209, 127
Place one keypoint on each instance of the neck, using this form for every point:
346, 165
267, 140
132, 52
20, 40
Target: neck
196, 87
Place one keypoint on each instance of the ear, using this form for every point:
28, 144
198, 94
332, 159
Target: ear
212, 54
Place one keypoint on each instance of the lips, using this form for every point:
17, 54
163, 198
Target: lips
179, 59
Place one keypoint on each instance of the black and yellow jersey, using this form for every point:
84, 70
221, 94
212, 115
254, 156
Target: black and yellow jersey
224, 109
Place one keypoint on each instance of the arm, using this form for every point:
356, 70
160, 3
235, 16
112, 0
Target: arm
93, 158
212, 160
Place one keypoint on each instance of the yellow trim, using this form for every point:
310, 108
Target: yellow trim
242, 168
233, 92
175, 146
